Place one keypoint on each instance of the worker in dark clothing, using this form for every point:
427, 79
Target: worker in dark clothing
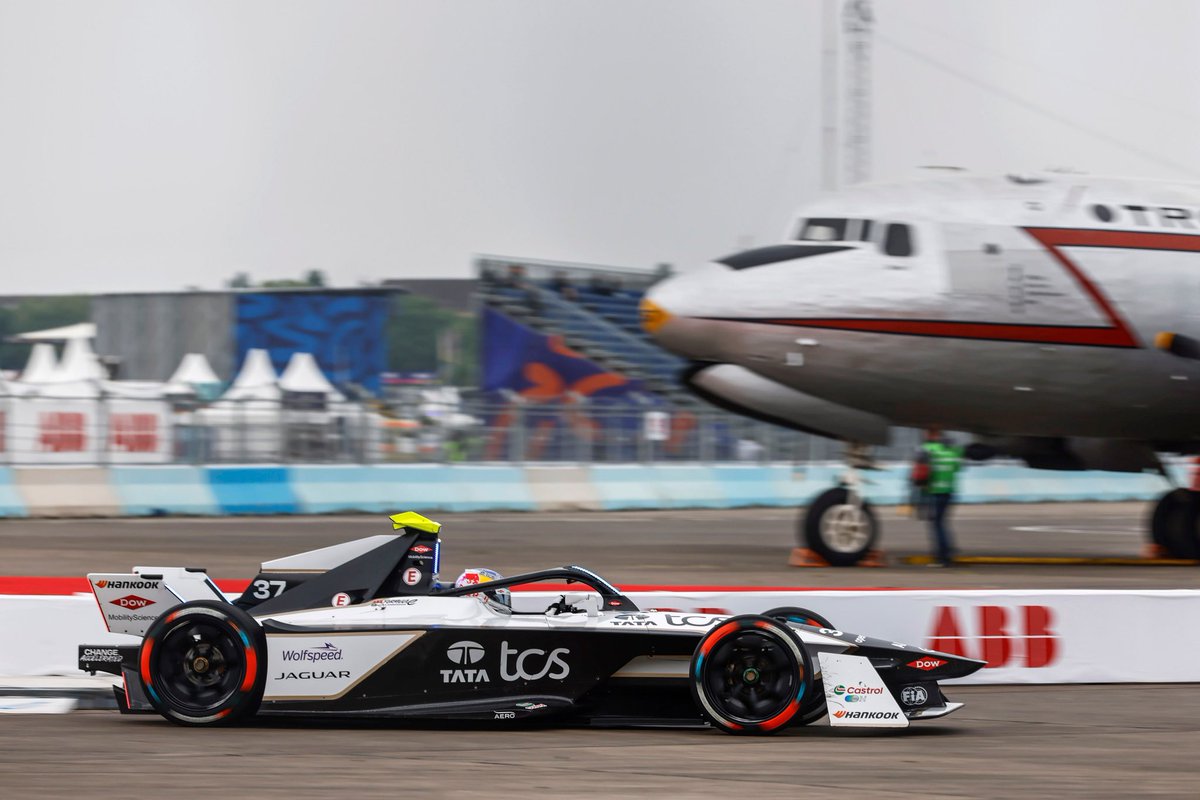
937, 467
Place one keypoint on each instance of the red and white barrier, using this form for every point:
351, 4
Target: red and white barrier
1026, 636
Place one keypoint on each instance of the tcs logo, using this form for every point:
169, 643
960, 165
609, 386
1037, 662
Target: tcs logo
1003, 637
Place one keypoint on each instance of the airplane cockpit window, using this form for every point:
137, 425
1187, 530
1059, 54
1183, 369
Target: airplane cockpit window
898, 240
820, 229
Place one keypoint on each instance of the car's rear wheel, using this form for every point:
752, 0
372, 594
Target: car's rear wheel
204, 663
750, 675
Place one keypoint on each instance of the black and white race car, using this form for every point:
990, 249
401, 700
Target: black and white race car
363, 629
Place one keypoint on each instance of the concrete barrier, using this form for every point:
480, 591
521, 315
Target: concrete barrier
1025, 636
318, 489
562, 488
252, 490
67, 491
11, 502
332, 489
150, 491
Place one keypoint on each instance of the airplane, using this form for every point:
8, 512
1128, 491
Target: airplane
1054, 318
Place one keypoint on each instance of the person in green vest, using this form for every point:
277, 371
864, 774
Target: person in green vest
938, 464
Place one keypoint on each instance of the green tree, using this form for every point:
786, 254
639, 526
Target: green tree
35, 314
415, 328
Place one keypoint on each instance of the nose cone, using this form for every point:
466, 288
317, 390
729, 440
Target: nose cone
653, 315
671, 314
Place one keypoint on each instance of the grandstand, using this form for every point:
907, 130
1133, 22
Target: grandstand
594, 309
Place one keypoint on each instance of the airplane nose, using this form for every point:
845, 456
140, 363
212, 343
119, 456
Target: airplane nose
671, 315
653, 316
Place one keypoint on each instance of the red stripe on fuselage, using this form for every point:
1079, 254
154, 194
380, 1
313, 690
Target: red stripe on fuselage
1116, 334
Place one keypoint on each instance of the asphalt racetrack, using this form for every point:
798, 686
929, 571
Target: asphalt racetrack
1064, 741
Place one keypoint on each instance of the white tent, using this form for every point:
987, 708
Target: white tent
80, 330
193, 373
194, 368
255, 381
79, 363
41, 366
303, 375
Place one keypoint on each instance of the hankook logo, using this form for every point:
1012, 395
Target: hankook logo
465, 652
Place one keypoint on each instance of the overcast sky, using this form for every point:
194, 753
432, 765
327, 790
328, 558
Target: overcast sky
155, 145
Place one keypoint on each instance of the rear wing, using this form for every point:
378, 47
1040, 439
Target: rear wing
130, 602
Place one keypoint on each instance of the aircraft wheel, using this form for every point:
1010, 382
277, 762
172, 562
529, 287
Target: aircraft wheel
838, 531
204, 663
750, 675
1176, 523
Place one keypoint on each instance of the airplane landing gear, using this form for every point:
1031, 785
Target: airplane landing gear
839, 525
1175, 525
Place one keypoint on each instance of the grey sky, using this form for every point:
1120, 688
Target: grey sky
154, 145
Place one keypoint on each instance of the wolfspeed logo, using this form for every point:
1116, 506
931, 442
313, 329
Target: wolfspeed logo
326, 652
515, 665
104, 655
843, 714
127, 584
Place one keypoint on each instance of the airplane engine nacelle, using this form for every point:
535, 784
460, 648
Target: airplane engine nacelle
741, 391
1112, 455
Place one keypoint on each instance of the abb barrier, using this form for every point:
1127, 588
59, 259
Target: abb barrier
1026, 636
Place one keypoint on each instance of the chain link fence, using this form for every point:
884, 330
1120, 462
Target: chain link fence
115, 430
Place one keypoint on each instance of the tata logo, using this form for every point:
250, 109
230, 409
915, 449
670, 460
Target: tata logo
1013, 637
465, 653
132, 601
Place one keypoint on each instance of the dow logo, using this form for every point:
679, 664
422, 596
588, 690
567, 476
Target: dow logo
465, 653
1003, 637
132, 601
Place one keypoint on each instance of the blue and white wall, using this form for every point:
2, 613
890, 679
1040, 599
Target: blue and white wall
141, 491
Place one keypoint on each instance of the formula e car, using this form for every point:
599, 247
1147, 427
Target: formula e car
363, 629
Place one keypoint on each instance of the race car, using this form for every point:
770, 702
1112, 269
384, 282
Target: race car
364, 629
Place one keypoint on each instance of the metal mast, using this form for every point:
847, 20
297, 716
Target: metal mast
858, 19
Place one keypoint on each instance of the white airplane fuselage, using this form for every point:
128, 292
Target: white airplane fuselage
1000, 306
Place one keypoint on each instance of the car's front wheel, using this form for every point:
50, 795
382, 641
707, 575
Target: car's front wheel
750, 675
204, 663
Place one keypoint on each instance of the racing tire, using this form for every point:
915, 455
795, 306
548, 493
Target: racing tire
838, 531
1175, 524
750, 675
204, 663
813, 707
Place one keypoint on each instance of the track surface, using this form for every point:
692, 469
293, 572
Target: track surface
1093, 742
690, 547
1076, 741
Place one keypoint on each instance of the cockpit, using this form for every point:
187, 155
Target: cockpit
892, 238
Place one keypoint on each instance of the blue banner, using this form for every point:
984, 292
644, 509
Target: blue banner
541, 367
343, 331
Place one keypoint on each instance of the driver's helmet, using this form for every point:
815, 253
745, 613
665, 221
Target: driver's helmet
501, 598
